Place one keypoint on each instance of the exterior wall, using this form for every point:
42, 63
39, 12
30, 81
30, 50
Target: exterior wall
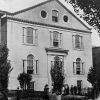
19, 51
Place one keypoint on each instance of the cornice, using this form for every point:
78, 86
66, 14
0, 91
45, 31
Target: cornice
48, 25
57, 50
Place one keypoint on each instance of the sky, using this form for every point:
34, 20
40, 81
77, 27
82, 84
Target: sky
16, 5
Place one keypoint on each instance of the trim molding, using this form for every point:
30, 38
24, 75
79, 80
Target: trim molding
57, 50
43, 24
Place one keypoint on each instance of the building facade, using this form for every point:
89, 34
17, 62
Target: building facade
36, 35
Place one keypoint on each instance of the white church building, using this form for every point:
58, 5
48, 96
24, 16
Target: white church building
35, 35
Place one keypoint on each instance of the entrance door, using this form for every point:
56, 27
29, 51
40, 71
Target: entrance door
79, 83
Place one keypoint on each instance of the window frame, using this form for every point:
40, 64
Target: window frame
77, 44
29, 61
81, 67
57, 41
34, 39
55, 17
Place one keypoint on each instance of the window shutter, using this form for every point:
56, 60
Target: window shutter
24, 34
73, 41
36, 66
83, 68
24, 65
61, 40
36, 37
51, 38
74, 67
82, 45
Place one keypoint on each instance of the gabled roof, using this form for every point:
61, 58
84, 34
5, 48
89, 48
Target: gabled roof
32, 7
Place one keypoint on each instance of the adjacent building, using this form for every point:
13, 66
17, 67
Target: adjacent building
36, 35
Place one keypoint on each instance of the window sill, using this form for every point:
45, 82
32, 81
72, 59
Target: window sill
78, 49
79, 74
29, 44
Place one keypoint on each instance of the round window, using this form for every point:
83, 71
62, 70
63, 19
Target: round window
43, 13
65, 18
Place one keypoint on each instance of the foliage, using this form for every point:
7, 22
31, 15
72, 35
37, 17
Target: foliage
90, 9
92, 76
57, 75
5, 68
24, 80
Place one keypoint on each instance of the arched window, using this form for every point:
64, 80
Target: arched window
30, 64
78, 66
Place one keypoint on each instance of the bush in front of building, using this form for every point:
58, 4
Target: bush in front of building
5, 69
24, 80
57, 75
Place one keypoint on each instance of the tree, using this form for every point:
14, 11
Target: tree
5, 69
57, 75
90, 9
24, 80
91, 77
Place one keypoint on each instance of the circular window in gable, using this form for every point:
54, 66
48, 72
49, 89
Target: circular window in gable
43, 14
65, 18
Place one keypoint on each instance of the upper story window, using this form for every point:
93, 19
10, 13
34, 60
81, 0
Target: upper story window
77, 42
65, 18
56, 39
30, 36
78, 67
54, 15
43, 14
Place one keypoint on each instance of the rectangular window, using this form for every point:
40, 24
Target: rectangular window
54, 15
79, 84
29, 36
77, 42
56, 39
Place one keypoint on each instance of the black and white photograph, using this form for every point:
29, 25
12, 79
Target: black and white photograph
49, 49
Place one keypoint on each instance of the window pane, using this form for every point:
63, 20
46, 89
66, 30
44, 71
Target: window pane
29, 39
77, 41
55, 36
56, 39
55, 13
30, 64
29, 35
55, 16
78, 66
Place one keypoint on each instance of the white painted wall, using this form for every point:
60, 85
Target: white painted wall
19, 51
